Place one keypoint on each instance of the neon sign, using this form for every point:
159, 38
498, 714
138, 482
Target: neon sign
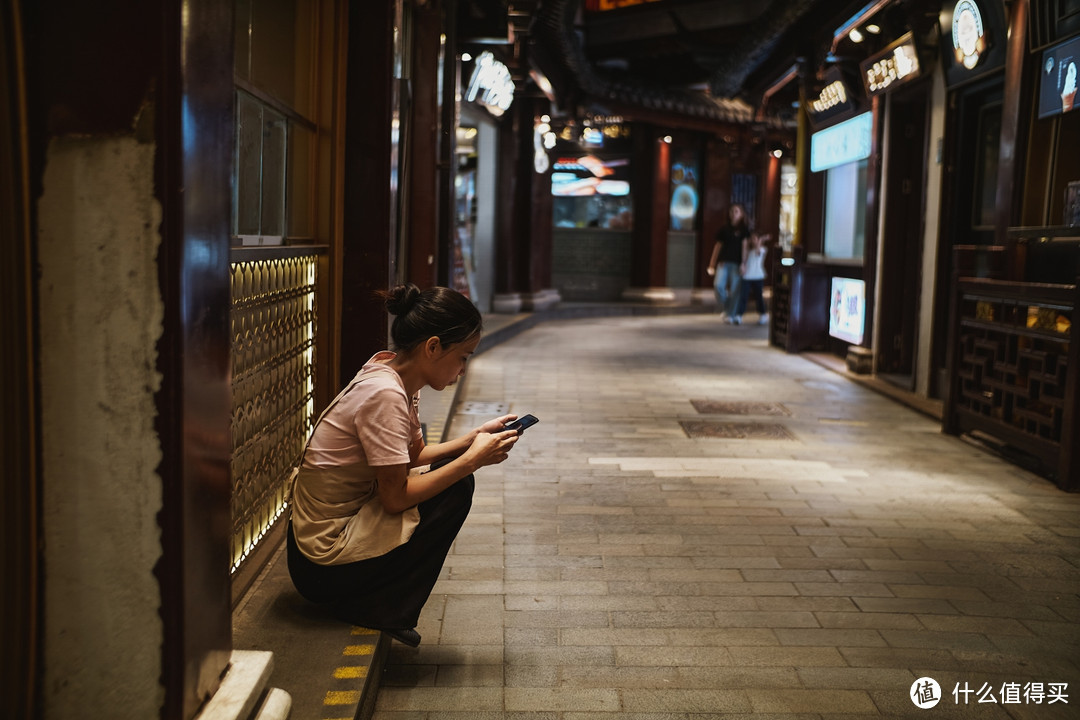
899, 63
491, 84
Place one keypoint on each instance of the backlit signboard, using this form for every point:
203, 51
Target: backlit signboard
847, 310
491, 85
844, 143
1058, 78
835, 100
894, 66
972, 39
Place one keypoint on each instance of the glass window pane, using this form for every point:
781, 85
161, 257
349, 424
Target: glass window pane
247, 186
281, 51
845, 211
986, 166
273, 173
301, 147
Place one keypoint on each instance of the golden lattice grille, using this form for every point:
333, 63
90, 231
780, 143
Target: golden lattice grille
273, 361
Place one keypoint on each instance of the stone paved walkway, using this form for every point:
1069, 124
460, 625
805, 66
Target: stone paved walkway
813, 567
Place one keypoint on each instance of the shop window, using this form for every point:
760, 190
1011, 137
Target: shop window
273, 185
592, 192
986, 167
845, 211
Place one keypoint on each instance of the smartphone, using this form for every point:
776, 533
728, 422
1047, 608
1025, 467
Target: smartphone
522, 422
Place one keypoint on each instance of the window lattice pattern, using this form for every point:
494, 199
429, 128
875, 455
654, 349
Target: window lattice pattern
273, 361
1013, 364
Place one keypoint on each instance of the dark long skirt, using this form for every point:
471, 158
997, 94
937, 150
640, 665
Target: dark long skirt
387, 592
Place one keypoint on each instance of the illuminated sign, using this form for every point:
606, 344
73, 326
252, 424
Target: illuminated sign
968, 34
1057, 84
491, 85
605, 5
841, 144
833, 94
898, 64
847, 310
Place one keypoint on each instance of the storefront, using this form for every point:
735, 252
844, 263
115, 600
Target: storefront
487, 95
592, 210
1013, 363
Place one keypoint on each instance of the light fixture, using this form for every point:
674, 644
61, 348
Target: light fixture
545, 118
667, 139
855, 35
778, 153
873, 29
465, 57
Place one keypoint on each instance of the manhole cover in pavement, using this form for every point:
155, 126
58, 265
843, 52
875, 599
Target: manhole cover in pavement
736, 431
727, 407
484, 408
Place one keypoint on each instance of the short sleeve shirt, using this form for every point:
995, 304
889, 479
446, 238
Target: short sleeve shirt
376, 412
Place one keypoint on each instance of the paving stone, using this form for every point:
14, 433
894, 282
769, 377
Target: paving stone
615, 568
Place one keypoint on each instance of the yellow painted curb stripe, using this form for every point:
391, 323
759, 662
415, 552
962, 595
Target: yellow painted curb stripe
342, 697
351, 671
354, 650
363, 631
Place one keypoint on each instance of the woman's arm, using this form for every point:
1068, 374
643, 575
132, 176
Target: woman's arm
426, 454
399, 491
712, 259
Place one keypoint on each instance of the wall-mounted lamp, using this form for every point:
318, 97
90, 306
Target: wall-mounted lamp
667, 139
465, 57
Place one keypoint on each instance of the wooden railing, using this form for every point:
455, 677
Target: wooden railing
1013, 370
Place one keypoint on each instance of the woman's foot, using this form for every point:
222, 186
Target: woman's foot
407, 636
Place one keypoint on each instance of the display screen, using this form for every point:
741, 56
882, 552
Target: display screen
1057, 84
847, 309
590, 175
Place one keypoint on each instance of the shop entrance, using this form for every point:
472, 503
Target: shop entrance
968, 197
901, 241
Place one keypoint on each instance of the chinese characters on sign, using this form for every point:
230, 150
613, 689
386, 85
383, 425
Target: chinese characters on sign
898, 63
925, 693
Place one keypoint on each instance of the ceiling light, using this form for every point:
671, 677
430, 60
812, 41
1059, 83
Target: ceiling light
873, 29
855, 35
667, 139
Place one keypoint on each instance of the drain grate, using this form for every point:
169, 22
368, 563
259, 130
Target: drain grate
475, 407
735, 431
728, 407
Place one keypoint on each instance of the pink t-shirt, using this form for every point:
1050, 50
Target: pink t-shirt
376, 411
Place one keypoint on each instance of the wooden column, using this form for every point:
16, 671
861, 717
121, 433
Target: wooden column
651, 169
367, 258
421, 219
1014, 111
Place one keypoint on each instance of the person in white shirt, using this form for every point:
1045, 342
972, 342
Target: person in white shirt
752, 284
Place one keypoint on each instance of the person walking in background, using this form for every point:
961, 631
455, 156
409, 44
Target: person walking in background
752, 284
370, 530
726, 258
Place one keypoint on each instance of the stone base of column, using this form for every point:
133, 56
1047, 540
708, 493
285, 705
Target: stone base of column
703, 296
652, 295
511, 303
506, 303
541, 300
244, 693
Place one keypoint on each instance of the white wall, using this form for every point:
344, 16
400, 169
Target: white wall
931, 239
100, 318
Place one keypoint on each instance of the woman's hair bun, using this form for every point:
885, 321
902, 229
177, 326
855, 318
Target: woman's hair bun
402, 299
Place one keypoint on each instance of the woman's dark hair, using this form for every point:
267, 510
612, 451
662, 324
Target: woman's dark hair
436, 312
745, 222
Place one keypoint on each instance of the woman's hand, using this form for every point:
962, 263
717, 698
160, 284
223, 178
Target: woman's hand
497, 425
710, 271
490, 448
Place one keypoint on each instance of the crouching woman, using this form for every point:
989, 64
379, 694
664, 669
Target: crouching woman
369, 534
